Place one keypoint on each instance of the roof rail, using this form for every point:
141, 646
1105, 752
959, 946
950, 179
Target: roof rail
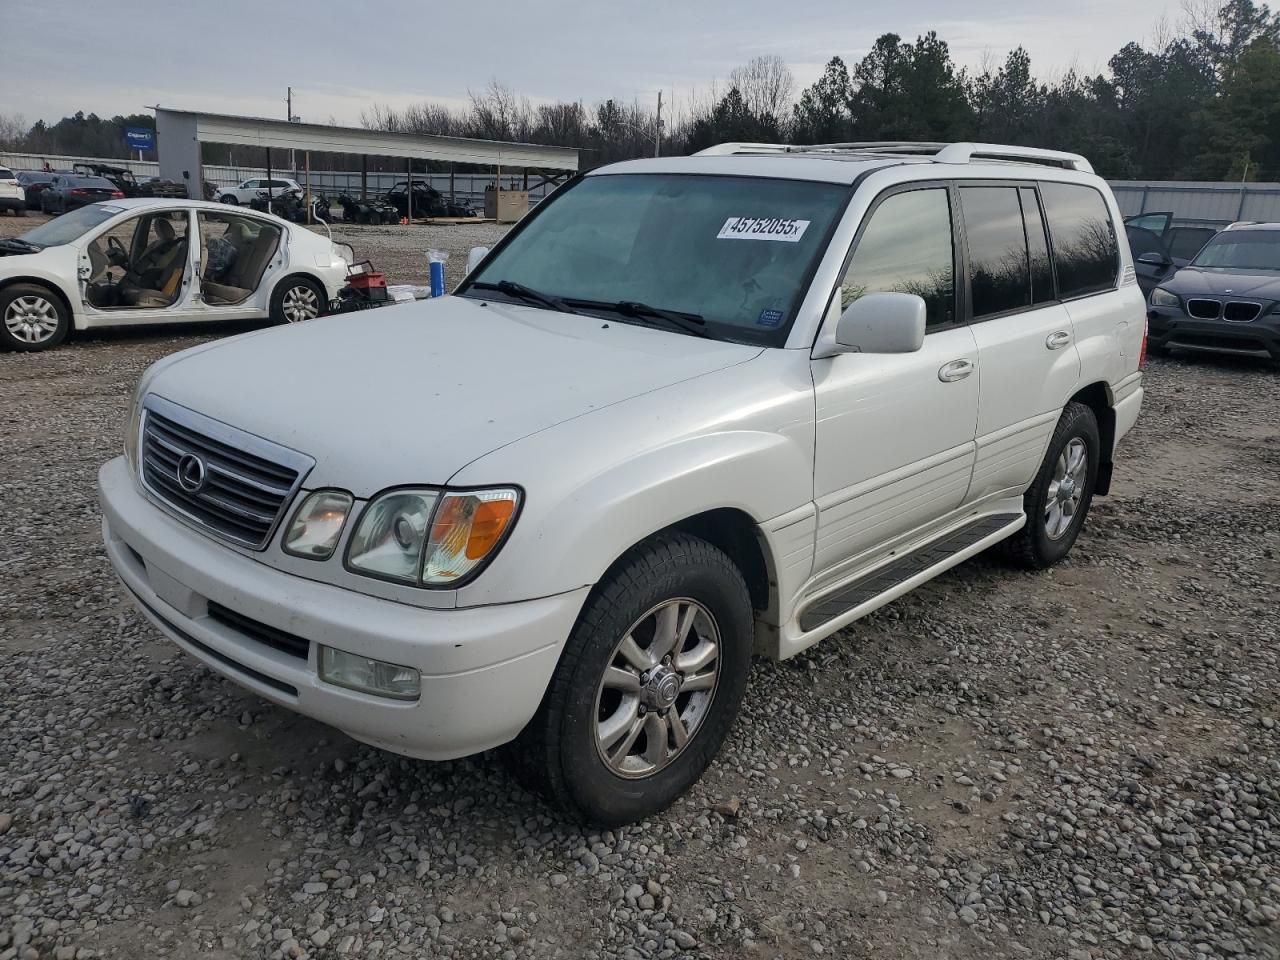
938, 152
729, 149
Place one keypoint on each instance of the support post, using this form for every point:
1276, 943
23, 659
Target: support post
306, 158
268, 179
364, 176
409, 191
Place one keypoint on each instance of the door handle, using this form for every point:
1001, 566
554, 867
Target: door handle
955, 370
1057, 340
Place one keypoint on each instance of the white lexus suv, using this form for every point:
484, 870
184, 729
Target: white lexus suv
689, 410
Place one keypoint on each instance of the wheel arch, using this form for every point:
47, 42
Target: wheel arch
734, 532
300, 275
1097, 397
50, 285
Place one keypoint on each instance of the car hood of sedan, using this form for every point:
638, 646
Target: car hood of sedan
1192, 281
412, 393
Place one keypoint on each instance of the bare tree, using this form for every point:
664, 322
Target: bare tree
13, 130
766, 85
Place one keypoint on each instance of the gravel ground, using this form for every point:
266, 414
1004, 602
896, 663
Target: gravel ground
1070, 764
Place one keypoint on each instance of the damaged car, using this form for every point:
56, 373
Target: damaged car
140, 261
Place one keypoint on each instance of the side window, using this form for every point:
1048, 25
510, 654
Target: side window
1143, 242
906, 248
999, 280
1037, 247
1085, 249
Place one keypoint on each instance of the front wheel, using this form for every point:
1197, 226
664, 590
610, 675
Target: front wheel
32, 318
647, 686
1058, 500
295, 300
229, 198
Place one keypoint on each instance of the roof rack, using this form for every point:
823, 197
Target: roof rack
937, 152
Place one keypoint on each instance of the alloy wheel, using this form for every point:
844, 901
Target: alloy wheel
31, 319
300, 303
1066, 488
657, 688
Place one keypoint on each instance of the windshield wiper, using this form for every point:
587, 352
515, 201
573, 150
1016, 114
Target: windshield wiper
686, 322
19, 243
520, 291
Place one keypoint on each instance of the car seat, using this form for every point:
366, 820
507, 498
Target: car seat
154, 278
248, 267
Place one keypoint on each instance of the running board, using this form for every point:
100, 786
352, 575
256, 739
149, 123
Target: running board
919, 565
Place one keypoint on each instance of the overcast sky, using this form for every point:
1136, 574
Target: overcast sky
238, 57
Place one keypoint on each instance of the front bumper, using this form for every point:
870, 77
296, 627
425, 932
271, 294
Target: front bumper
1171, 327
484, 669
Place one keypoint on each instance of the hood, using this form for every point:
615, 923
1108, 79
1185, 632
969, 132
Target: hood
1193, 281
412, 393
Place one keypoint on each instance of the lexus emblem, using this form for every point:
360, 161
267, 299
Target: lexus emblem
191, 473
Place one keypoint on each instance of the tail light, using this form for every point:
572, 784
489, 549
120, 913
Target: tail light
117, 194
78, 193
1142, 354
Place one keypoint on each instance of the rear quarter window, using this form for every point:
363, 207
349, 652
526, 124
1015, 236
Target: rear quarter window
1084, 238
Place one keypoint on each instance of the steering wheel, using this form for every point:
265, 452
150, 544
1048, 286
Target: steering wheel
116, 252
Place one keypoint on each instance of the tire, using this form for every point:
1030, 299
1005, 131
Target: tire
32, 318
672, 579
230, 199
296, 299
1051, 529
19, 211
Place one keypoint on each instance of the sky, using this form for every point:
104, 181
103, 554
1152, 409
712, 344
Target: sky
341, 56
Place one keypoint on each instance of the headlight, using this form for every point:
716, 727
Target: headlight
431, 539
466, 529
367, 675
317, 524
1160, 297
388, 541
133, 427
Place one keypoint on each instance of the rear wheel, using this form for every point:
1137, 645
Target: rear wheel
297, 299
1058, 500
32, 318
647, 686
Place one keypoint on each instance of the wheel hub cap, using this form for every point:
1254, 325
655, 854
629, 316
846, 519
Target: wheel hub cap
31, 319
663, 687
1066, 489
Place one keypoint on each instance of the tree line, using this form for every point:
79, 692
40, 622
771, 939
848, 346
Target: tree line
1202, 101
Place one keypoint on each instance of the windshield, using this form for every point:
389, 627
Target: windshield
1242, 250
71, 225
734, 251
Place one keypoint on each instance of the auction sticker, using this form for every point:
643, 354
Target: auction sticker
763, 228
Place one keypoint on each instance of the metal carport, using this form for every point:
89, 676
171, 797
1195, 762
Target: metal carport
180, 132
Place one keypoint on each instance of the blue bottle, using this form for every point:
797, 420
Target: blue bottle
437, 278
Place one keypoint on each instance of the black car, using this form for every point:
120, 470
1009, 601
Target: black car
71, 190
32, 182
1226, 299
427, 201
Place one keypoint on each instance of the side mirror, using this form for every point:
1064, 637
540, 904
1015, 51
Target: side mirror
475, 256
880, 323
1154, 259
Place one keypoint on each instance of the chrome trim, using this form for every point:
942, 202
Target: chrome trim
239, 440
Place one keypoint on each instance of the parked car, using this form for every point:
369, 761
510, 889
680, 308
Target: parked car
70, 191
32, 182
1227, 299
12, 196
123, 179
152, 261
688, 409
1161, 246
247, 191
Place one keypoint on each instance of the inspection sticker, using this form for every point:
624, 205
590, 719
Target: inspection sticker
763, 228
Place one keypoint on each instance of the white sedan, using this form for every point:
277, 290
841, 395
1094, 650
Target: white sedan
130, 262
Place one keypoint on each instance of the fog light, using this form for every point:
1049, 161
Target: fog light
367, 675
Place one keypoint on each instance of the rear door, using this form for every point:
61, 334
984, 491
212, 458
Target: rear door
1026, 344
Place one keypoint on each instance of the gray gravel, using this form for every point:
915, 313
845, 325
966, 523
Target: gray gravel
1079, 763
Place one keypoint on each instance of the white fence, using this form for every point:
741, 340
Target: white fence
330, 182
1200, 202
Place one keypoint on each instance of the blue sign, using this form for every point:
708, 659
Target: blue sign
140, 138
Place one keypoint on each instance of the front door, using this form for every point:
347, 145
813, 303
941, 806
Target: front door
139, 267
895, 433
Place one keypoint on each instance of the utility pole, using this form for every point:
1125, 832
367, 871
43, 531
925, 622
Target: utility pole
288, 115
657, 138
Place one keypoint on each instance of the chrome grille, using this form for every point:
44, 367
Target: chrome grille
1203, 308
233, 484
1241, 311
